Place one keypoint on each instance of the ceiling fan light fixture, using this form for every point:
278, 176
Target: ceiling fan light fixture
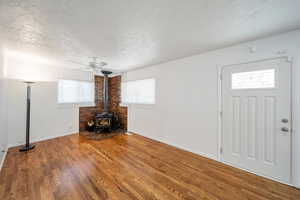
94, 66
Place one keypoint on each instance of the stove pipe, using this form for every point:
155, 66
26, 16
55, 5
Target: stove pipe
105, 90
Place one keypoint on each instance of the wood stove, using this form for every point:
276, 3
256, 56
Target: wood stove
103, 122
106, 121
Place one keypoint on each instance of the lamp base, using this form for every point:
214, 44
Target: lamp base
27, 148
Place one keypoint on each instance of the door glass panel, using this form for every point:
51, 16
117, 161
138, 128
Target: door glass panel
253, 79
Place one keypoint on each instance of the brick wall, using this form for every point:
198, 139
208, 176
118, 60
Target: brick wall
115, 100
99, 91
88, 113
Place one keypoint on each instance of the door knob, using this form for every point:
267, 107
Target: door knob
284, 120
284, 129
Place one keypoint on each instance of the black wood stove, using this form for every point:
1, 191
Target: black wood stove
106, 121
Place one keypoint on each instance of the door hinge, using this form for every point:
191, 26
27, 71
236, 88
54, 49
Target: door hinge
221, 113
221, 150
221, 77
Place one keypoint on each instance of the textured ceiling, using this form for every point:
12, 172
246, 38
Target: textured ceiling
134, 33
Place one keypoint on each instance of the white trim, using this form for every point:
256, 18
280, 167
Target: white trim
3, 158
210, 156
220, 69
140, 103
220, 112
216, 159
75, 105
288, 59
258, 174
291, 61
42, 139
295, 116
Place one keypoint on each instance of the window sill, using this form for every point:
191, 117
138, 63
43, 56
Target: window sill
75, 105
138, 105
128, 104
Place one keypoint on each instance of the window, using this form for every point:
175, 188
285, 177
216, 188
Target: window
253, 79
138, 92
70, 91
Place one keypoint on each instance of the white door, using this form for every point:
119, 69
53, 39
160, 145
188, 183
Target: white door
256, 120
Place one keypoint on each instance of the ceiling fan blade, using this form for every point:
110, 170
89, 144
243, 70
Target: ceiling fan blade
78, 63
101, 64
87, 69
98, 70
95, 67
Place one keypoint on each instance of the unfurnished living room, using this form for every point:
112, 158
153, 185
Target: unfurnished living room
150, 100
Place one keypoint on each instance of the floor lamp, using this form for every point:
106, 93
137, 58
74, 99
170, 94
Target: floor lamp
28, 146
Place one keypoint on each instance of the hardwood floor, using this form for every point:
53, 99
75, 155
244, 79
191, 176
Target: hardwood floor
127, 167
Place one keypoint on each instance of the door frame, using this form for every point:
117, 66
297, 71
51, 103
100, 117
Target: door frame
289, 59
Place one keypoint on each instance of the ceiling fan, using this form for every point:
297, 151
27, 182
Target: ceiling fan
94, 66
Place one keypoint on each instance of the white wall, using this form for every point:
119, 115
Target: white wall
3, 120
48, 119
186, 112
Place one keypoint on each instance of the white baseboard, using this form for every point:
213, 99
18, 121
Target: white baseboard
189, 150
3, 158
42, 139
216, 159
210, 156
259, 174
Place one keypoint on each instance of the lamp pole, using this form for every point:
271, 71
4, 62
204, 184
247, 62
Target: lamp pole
28, 146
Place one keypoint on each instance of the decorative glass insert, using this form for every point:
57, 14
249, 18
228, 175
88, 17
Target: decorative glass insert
253, 79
